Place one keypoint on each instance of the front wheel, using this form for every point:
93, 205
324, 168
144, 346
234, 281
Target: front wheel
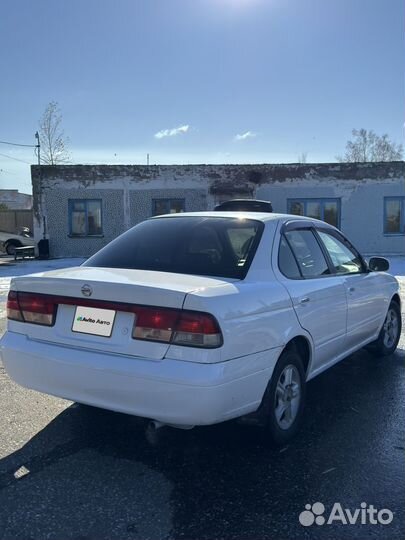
390, 333
285, 397
10, 247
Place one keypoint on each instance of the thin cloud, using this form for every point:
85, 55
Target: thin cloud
172, 132
244, 136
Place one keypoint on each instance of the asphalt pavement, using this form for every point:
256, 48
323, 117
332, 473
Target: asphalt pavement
68, 472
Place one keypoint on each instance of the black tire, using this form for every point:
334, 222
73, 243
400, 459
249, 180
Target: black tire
280, 429
11, 245
383, 346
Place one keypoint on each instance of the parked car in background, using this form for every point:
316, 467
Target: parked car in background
192, 319
9, 241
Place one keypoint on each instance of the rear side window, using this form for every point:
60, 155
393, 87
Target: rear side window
308, 253
210, 246
286, 261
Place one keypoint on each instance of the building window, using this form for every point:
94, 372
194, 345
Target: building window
327, 210
394, 215
167, 206
85, 217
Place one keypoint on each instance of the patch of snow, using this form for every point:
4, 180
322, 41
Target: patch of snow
21, 268
31, 266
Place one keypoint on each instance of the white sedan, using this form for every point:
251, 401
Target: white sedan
193, 319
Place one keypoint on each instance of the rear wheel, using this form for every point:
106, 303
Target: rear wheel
285, 397
390, 333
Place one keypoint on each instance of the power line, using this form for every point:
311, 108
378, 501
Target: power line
16, 159
17, 144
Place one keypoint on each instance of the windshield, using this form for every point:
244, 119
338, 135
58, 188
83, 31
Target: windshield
209, 246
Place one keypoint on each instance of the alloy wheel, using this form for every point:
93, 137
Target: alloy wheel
287, 397
391, 327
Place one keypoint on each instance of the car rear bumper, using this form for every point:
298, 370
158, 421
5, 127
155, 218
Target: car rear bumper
170, 391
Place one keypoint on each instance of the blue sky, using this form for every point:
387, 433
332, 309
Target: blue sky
244, 80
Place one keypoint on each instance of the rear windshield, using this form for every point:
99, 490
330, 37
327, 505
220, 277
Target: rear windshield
208, 246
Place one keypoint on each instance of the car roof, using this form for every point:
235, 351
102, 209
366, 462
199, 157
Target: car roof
258, 216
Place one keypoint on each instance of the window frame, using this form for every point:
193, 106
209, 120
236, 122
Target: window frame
70, 210
320, 200
168, 200
401, 199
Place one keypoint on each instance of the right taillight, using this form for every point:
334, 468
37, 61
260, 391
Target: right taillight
154, 324
197, 330
179, 327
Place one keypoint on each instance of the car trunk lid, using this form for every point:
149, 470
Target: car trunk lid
83, 291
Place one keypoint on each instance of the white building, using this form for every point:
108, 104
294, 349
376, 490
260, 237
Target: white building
82, 207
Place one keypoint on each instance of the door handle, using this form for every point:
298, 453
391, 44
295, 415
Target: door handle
352, 289
304, 300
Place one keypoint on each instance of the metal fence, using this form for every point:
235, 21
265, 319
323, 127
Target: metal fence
13, 221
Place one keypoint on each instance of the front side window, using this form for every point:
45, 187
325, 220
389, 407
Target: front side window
394, 215
209, 246
327, 210
308, 253
167, 206
85, 217
344, 259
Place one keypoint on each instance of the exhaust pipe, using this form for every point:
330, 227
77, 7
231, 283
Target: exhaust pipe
154, 425
153, 430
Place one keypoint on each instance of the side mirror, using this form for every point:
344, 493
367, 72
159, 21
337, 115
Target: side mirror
378, 264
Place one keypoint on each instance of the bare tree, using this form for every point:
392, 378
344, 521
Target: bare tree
52, 138
368, 146
302, 158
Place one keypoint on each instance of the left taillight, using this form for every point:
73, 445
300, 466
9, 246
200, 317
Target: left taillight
32, 308
13, 307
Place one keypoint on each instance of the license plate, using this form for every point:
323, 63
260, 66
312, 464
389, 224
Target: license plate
95, 321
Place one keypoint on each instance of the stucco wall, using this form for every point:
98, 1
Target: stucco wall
127, 193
